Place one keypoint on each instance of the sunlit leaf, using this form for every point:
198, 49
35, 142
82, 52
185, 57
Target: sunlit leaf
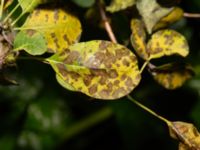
187, 134
172, 75
31, 41
29, 5
151, 12
84, 3
117, 5
138, 38
59, 27
100, 69
167, 42
7, 3
175, 15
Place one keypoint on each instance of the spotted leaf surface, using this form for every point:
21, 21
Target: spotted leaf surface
31, 41
117, 5
59, 27
172, 75
187, 134
151, 12
62, 82
175, 15
100, 69
138, 38
167, 42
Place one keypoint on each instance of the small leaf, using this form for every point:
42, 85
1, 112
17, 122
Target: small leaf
175, 15
187, 134
6, 81
31, 41
172, 75
117, 5
138, 38
100, 69
7, 3
167, 42
84, 3
64, 83
59, 27
151, 12
29, 5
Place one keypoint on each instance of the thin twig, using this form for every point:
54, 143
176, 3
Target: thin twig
191, 15
106, 23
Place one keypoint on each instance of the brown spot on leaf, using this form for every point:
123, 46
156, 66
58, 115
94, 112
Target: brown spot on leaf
116, 82
30, 32
126, 63
103, 80
56, 15
104, 94
87, 80
93, 89
113, 73
123, 77
72, 57
118, 92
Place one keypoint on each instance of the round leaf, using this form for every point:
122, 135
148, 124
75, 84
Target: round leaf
59, 27
167, 42
100, 69
31, 41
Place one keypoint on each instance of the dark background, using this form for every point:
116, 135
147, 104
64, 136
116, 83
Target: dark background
39, 114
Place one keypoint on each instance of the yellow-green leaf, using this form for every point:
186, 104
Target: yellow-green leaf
62, 82
117, 5
175, 15
187, 135
31, 41
100, 69
172, 75
7, 4
151, 12
138, 38
167, 42
59, 27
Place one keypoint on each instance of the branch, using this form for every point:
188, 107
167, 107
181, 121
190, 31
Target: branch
191, 15
106, 22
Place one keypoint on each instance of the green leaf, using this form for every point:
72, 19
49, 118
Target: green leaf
84, 3
138, 38
166, 43
100, 69
151, 12
59, 27
117, 5
31, 41
172, 75
29, 5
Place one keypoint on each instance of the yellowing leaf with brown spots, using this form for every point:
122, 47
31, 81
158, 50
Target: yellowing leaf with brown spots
167, 42
100, 69
187, 135
151, 12
59, 27
117, 5
172, 75
138, 38
175, 15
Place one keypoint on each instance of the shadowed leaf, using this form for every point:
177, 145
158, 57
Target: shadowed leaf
172, 75
100, 69
138, 38
175, 15
84, 3
117, 5
151, 12
167, 42
7, 4
59, 27
31, 41
187, 134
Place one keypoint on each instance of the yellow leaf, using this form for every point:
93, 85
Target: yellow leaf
138, 38
187, 134
100, 69
167, 42
117, 5
59, 27
173, 16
